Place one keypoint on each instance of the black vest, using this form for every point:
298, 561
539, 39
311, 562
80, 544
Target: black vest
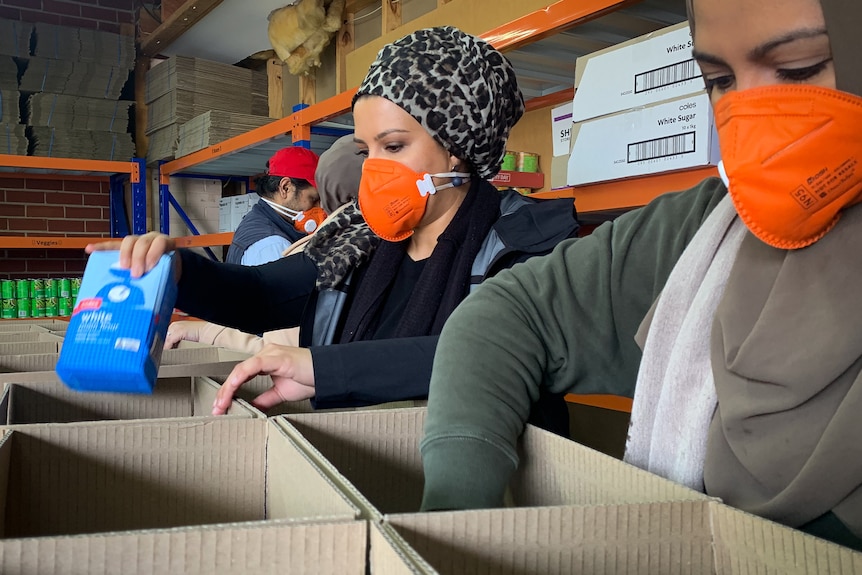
261, 222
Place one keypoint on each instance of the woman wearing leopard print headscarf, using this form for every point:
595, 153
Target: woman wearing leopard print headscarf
432, 118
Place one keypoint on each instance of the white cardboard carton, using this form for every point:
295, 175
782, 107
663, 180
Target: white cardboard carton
225, 209
673, 135
642, 71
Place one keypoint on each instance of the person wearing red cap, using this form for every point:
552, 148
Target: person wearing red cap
289, 208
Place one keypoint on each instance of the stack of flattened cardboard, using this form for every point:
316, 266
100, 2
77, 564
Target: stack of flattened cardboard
181, 88
15, 38
213, 127
12, 137
73, 82
76, 113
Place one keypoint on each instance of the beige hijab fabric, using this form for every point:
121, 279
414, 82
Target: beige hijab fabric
786, 348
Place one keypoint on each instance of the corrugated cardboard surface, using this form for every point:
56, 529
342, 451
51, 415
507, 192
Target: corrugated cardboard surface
29, 347
257, 385
276, 548
375, 455
42, 325
684, 537
50, 401
22, 336
100, 477
390, 554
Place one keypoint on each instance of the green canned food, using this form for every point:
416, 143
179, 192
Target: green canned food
37, 288
64, 306
7, 289
23, 307
65, 288
22, 289
10, 308
37, 307
510, 161
76, 284
51, 305
51, 288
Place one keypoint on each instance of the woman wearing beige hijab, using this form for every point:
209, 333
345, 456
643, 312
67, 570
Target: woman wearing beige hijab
729, 312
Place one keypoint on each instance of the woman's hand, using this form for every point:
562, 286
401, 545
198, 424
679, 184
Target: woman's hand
140, 254
291, 369
182, 331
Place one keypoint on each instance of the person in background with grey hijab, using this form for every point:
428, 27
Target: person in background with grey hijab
729, 312
432, 119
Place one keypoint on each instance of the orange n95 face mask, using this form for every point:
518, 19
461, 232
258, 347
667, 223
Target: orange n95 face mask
306, 221
392, 197
791, 155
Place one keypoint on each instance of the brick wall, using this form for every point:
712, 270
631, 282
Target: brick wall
105, 15
40, 207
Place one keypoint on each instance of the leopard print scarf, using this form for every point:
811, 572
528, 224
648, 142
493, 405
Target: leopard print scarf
340, 246
459, 87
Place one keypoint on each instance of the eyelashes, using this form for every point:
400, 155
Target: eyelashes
782, 75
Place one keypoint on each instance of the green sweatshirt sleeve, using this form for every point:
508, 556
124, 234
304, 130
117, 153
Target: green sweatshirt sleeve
565, 322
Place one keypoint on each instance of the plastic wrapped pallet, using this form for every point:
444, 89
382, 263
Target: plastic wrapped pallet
15, 38
77, 113
213, 127
80, 144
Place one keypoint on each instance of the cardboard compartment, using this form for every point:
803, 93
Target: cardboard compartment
204, 361
673, 135
30, 347
642, 71
257, 385
42, 325
100, 477
374, 456
684, 537
50, 401
273, 548
28, 336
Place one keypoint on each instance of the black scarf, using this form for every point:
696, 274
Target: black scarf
445, 280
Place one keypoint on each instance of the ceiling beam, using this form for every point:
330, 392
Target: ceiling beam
183, 18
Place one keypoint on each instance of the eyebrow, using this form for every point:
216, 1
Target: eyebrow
382, 135
760, 52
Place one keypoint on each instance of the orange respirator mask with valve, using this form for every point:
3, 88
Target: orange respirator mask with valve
791, 159
392, 197
305, 221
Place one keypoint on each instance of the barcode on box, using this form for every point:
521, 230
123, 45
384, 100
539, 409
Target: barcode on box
666, 76
661, 148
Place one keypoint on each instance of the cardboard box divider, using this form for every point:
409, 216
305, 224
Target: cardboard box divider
31, 347
76, 478
299, 547
51, 401
28, 336
374, 457
680, 537
31, 365
33, 324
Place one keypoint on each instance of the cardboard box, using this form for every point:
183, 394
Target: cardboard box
674, 135
639, 72
257, 385
30, 347
685, 537
225, 209
374, 457
295, 547
27, 336
239, 209
117, 332
77, 478
49, 401
16, 326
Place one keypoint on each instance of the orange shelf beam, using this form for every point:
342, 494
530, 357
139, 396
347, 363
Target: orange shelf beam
549, 20
629, 193
70, 164
204, 240
51, 242
614, 402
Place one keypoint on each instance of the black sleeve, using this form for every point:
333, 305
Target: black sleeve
253, 299
372, 372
